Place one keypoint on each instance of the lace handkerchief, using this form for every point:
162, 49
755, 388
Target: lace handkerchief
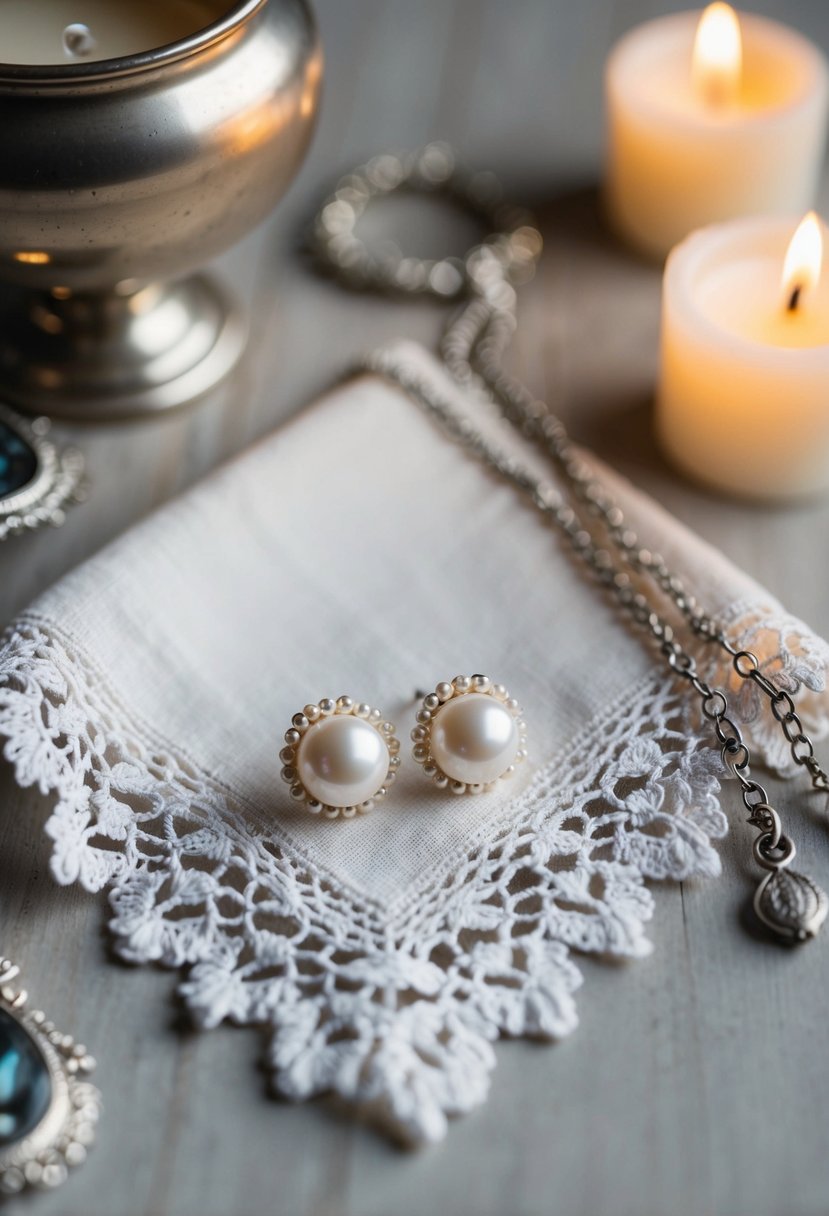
358, 551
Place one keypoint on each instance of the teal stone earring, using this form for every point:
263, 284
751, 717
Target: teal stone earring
37, 480
48, 1108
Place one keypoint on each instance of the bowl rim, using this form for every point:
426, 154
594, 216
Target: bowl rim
106, 69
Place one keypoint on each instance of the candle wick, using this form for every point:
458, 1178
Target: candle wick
794, 299
78, 41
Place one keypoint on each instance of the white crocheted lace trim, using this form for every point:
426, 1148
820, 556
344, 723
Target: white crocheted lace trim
395, 1008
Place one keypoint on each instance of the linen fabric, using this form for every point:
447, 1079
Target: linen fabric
358, 550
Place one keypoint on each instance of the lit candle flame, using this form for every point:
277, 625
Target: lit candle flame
717, 61
802, 264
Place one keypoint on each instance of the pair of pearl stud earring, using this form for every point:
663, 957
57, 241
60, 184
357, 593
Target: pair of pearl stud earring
341, 756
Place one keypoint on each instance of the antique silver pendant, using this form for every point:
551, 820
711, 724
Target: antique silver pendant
38, 480
48, 1108
788, 903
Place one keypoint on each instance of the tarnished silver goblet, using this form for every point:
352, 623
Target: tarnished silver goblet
118, 179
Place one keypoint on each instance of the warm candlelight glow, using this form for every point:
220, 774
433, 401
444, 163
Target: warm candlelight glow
739, 360
717, 61
802, 264
32, 257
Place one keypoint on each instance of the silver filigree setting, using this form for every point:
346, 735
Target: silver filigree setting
57, 482
43, 1157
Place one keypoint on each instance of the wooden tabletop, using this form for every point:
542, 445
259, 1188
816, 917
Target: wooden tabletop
699, 1079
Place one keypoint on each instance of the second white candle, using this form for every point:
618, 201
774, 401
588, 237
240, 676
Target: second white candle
743, 401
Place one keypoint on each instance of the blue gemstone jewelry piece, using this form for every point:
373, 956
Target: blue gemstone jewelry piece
25, 1088
48, 1107
37, 479
18, 461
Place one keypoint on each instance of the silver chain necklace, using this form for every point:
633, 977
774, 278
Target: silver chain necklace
473, 345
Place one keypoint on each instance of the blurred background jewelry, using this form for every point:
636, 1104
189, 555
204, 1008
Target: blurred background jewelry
579, 505
48, 1108
469, 734
339, 757
38, 480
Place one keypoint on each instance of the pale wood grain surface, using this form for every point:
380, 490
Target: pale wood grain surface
699, 1080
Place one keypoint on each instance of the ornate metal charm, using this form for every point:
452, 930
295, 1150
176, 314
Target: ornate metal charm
48, 1110
37, 479
788, 903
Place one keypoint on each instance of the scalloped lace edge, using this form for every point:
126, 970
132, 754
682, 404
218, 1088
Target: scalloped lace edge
393, 1008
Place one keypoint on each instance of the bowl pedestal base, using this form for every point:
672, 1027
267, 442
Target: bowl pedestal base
108, 356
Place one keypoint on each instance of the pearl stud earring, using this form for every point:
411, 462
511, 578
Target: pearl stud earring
339, 757
469, 734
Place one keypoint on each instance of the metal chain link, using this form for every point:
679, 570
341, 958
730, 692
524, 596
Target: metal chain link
467, 352
472, 348
550, 503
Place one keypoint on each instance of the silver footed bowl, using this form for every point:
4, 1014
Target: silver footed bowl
118, 179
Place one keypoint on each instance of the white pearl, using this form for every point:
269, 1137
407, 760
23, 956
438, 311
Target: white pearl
474, 738
342, 761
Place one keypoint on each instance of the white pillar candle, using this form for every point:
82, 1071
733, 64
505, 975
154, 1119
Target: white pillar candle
737, 129
743, 401
31, 31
